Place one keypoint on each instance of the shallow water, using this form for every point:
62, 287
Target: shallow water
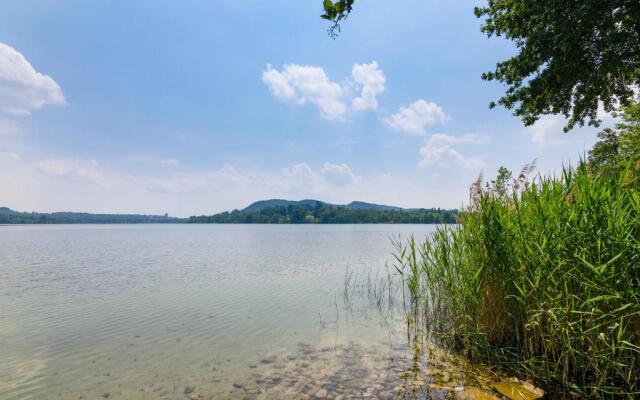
206, 311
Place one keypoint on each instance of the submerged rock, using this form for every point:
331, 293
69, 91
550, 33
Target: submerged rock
268, 360
189, 389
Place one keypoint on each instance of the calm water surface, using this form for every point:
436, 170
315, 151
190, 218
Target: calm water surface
193, 311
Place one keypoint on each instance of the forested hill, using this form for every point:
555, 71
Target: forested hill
323, 213
355, 205
9, 216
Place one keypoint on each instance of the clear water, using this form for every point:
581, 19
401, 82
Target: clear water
197, 311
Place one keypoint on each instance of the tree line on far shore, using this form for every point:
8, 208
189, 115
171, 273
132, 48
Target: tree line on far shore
325, 214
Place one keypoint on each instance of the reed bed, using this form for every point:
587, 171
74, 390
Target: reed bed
541, 278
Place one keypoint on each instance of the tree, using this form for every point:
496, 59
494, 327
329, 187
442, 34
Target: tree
619, 146
573, 56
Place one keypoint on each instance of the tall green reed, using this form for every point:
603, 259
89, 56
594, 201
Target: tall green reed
542, 278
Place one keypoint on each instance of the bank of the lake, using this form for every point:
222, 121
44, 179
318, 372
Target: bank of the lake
541, 279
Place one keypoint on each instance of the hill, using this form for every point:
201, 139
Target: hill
361, 205
279, 211
354, 205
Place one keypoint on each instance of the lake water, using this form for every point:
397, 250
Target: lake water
202, 312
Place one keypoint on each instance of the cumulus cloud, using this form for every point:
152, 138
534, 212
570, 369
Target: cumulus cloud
440, 151
299, 170
304, 83
371, 80
22, 88
278, 84
338, 174
416, 117
326, 176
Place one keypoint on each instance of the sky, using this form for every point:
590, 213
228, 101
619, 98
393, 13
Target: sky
196, 107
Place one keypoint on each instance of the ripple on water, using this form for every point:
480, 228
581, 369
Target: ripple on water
177, 312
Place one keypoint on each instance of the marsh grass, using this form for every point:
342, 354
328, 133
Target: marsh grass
540, 278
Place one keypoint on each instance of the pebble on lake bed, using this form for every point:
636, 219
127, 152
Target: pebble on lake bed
344, 372
354, 371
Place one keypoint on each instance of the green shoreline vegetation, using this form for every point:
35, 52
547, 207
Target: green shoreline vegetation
9, 216
316, 213
320, 213
542, 276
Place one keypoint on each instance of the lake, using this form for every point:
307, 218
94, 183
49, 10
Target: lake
201, 312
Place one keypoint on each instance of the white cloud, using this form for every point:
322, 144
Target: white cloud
293, 181
547, 131
76, 168
371, 79
299, 170
86, 185
467, 138
338, 174
416, 117
439, 151
170, 162
22, 88
304, 83
278, 84
298, 181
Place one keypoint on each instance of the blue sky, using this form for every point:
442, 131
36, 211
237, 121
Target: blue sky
194, 107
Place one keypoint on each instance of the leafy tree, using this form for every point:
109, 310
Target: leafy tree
573, 56
619, 146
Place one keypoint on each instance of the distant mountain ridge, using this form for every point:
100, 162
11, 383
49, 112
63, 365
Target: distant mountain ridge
354, 205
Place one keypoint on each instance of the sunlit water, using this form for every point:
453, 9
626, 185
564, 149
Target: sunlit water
202, 312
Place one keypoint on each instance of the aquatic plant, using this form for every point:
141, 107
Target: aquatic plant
541, 278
